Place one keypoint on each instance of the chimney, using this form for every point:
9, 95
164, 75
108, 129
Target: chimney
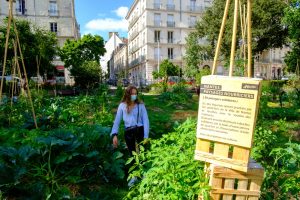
110, 34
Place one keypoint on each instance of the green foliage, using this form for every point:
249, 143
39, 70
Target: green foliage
87, 75
195, 54
120, 91
35, 44
280, 159
166, 69
266, 26
168, 170
82, 55
41, 164
178, 94
202, 72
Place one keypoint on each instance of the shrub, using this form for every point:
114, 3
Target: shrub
168, 170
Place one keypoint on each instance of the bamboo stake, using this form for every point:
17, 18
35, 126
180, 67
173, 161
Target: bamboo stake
249, 37
6, 45
233, 44
220, 36
25, 74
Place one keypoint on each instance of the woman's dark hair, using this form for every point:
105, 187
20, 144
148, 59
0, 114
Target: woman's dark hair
127, 95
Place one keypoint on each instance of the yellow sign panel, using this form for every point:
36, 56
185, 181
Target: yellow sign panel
228, 109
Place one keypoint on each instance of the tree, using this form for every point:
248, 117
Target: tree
195, 55
88, 74
292, 21
82, 57
35, 43
267, 30
166, 69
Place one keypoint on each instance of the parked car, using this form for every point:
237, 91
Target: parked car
112, 82
125, 82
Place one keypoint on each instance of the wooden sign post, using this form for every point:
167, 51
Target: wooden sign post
226, 120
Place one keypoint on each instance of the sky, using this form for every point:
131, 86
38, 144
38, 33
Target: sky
102, 16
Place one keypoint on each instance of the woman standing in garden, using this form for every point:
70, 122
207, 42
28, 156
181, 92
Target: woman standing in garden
135, 117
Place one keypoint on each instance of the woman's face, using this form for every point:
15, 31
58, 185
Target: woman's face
133, 92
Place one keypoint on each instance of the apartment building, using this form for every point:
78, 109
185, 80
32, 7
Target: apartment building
270, 63
157, 31
57, 16
120, 60
107, 60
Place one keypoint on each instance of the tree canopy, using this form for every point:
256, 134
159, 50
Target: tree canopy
166, 69
89, 48
267, 29
37, 45
292, 21
82, 57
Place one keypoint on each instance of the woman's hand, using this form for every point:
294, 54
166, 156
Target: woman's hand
115, 141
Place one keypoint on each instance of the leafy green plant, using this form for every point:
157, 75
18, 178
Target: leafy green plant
168, 170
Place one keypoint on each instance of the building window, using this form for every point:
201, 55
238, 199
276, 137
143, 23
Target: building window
170, 21
170, 36
20, 7
170, 53
53, 8
192, 5
156, 36
53, 27
193, 20
170, 5
157, 4
157, 19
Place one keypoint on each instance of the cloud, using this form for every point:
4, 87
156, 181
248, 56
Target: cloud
109, 24
121, 12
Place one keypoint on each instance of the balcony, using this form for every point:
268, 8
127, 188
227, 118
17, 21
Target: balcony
133, 21
195, 8
53, 13
137, 61
133, 35
192, 24
134, 49
170, 7
21, 11
157, 23
157, 6
170, 24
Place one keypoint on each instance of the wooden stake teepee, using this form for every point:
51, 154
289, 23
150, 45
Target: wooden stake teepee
17, 49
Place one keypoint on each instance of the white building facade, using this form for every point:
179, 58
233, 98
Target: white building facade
54, 15
106, 61
157, 31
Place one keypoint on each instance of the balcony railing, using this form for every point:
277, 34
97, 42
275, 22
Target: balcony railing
157, 6
133, 35
157, 23
170, 24
137, 61
192, 24
53, 12
20, 11
134, 49
170, 7
133, 21
170, 41
195, 8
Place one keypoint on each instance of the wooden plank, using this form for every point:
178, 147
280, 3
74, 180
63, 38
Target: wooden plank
215, 183
242, 186
237, 192
240, 153
202, 145
221, 150
228, 184
222, 161
223, 172
255, 186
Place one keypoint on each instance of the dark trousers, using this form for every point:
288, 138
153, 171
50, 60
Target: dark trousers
133, 136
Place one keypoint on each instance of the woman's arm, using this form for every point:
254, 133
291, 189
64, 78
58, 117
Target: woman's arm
115, 128
145, 121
